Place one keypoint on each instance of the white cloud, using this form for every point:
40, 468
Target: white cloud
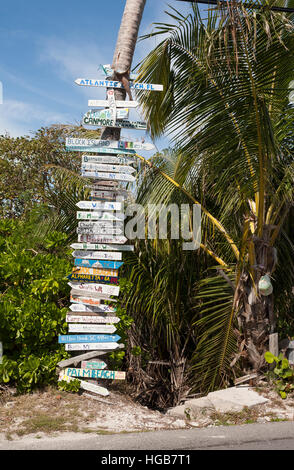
18, 118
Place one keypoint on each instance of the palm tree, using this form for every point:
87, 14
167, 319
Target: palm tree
226, 105
123, 54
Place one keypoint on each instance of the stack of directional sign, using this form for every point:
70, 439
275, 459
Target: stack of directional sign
101, 241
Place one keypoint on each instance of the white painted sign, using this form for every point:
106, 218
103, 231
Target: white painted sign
111, 216
90, 328
107, 159
125, 145
90, 319
122, 113
79, 299
92, 120
108, 195
90, 346
93, 364
95, 373
109, 168
118, 103
102, 308
109, 71
101, 246
101, 206
85, 385
91, 288
97, 255
114, 84
94, 238
109, 176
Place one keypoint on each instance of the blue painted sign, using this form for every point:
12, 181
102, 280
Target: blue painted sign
62, 339
95, 263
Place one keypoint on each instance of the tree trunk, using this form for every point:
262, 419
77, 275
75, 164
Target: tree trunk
123, 55
256, 315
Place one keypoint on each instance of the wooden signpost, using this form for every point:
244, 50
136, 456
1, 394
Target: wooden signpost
107, 114
96, 309
93, 365
107, 159
92, 120
83, 299
93, 263
95, 271
114, 84
108, 71
125, 145
99, 215
108, 168
90, 387
90, 328
95, 374
101, 243
94, 288
100, 230
115, 256
101, 206
91, 338
90, 346
101, 246
90, 319
118, 103
107, 195
109, 176
91, 278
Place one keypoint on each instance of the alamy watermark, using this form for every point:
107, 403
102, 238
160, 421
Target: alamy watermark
164, 222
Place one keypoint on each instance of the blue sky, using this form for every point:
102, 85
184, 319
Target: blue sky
46, 45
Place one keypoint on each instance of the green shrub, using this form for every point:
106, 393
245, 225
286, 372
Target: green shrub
34, 295
283, 374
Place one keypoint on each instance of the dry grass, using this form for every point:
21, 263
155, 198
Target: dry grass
52, 411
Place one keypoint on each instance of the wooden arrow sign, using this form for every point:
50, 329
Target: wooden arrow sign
99, 215
93, 263
85, 328
113, 84
107, 159
85, 385
108, 71
108, 195
125, 145
90, 346
118, 104
101, 206
91, 238
122, 113
90, 319
97, 255
79, 299
94, 271
92, 120
108, 168
93, 365
90, 288
66, 339
101, 246
90, 278
97, 309
95, 374
100, 230
108, 176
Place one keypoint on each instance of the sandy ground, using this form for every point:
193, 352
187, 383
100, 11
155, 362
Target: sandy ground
53, 413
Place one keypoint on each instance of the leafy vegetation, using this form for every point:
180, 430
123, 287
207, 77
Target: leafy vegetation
34, 296
282, 374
